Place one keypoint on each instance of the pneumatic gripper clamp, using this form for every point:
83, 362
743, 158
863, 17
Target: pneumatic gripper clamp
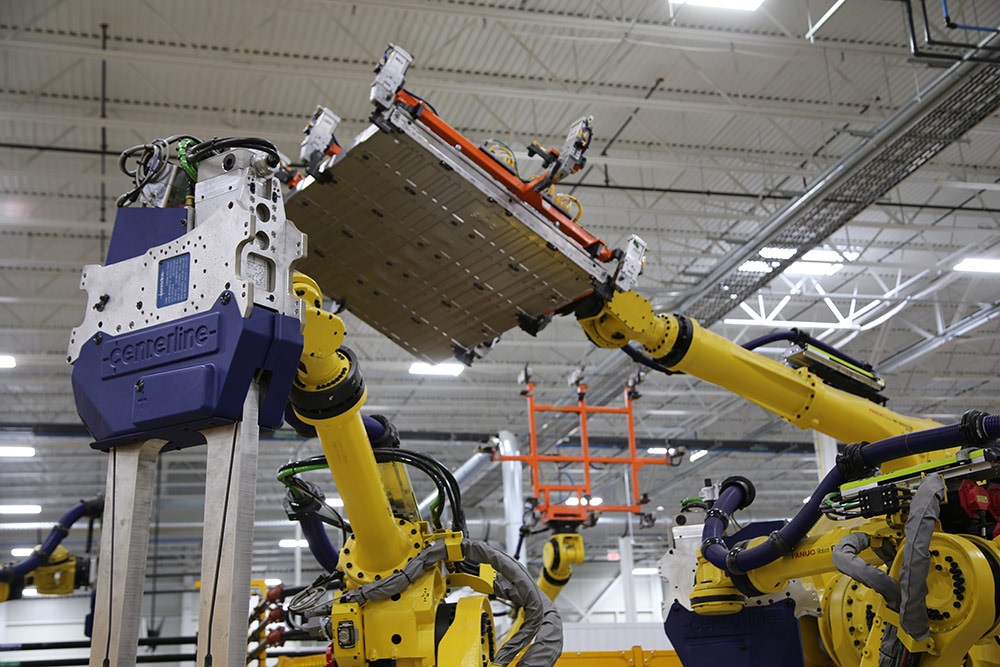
191, 336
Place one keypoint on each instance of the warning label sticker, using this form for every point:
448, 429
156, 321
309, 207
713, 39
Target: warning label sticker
173, 280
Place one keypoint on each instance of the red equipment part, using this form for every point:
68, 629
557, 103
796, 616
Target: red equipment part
973, 498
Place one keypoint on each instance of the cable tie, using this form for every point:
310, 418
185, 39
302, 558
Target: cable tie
851, 462
972, 427
731, 561
778, 543
716, 513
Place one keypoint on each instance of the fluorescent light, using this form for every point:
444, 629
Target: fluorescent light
17, 452
979, 265
7, 361
697, 454
21, 552
293, 544
446, 369
572, 501
272, 582
594, 501
640, 571
742, 5
777, 253
813, 268
20, 509
821, 255
657, 451
755, 266
29, 592
334, 502
667, 413
801, 324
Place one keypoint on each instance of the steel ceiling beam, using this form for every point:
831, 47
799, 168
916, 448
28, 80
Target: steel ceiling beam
928, 345
957, 100
450, 82
570, 22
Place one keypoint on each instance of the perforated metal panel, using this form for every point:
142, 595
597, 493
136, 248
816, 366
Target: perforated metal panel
419, 243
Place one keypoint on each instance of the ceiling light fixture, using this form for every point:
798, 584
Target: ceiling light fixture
16, 452
272, 582
7, 361
742, 5
777, 253
978, 265
813, 268
21, 552
30, 592
293, 543
20, 509
697, 454
335, 502
446, 369
755, 266
640, 571
799, 324
657, 451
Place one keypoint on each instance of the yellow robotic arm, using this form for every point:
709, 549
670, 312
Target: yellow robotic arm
796, 395
956, 552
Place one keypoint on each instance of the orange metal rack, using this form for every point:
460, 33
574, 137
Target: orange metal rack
543, 491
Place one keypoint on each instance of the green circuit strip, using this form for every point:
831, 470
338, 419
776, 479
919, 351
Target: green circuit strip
842, 362
912, 471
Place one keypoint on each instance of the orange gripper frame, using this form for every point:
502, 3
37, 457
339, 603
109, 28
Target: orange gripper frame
543, 491
524, 191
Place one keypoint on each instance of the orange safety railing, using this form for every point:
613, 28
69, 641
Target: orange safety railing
543, 490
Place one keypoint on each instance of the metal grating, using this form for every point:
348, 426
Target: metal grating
804, 225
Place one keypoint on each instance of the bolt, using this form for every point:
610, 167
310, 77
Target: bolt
139, 385
98, 338
225, 298
138, 305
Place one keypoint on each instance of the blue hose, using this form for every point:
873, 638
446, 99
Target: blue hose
319, 543
872, 455
42, 553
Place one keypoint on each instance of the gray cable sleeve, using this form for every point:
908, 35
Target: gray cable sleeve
514, 583
846, 560
925, 508
541, 620
888, 649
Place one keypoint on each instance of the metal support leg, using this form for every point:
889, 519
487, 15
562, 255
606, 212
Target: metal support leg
626, 564
231, 484
124, 541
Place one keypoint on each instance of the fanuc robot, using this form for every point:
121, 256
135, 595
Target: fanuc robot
198, 329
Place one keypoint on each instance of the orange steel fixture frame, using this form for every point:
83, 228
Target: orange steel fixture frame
543, 492
525, 191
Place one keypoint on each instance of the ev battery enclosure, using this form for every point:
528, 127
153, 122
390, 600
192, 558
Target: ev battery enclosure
417, 241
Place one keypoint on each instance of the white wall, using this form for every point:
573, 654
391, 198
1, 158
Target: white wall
613, 636
61, 618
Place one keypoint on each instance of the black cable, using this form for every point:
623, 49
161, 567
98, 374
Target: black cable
205, 149
640, 357
222, 538
111, 580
